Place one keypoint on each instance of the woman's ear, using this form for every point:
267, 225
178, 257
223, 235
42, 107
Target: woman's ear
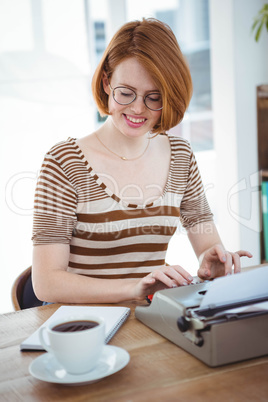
105, 83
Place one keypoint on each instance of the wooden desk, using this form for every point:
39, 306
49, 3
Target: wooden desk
158, 370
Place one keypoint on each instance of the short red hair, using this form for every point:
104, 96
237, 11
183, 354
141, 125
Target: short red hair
155, 46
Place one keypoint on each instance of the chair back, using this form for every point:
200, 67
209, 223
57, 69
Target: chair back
22, 292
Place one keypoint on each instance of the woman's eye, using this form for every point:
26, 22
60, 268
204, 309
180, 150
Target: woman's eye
126, 94
154, 97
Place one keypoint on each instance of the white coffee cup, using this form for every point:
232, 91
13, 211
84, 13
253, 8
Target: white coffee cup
79, 350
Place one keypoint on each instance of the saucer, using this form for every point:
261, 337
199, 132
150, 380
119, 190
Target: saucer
46, 368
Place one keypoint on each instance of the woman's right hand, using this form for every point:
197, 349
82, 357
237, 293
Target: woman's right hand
169, 276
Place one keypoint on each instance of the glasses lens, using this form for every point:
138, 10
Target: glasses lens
124, 95
154, 101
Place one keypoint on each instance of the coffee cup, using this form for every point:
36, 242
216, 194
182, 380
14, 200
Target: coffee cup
76, 342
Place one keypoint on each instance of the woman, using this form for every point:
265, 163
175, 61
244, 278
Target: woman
107, 204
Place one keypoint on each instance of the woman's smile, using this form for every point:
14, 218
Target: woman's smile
134, 121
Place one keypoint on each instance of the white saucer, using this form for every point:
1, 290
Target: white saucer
46, 368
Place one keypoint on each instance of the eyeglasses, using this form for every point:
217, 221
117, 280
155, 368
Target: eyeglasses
125, 96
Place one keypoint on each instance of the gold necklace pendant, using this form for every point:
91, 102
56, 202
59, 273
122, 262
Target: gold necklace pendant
123, 157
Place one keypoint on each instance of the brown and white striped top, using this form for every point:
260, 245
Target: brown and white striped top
109, 238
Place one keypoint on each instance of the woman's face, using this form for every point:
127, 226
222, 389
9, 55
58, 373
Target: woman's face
135, 119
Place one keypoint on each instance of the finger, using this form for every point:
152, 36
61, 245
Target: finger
228, 264
150, 279
224, 257
162, 277
221, 253
203, 273
179, 276
170, 277
236, 262
177, 269
244, 253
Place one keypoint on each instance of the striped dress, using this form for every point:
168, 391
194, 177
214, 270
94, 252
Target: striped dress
108, 237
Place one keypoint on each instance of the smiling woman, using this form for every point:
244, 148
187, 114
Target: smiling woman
107, 205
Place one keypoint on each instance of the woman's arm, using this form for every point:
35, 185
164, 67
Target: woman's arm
214, 259
53, 283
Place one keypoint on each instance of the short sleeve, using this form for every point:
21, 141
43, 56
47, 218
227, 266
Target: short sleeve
55, 205
194, 207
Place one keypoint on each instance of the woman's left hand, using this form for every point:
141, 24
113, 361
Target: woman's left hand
216, 261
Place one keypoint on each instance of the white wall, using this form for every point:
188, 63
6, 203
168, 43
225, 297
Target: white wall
239, 64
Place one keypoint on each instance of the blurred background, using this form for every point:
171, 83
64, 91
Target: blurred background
48, 52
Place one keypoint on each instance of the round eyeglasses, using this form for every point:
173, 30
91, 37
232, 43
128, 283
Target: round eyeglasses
125, 96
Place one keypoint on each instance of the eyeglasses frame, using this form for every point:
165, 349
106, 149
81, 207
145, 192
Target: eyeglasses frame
144, 97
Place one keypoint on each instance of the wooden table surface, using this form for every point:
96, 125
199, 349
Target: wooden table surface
158, 370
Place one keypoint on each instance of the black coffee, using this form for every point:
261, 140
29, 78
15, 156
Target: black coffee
74, 326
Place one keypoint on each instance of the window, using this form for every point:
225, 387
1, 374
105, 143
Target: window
189, 20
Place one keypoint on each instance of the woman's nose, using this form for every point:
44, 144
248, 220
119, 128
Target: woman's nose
138, 105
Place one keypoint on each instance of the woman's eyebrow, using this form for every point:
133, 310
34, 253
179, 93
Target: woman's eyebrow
135, 89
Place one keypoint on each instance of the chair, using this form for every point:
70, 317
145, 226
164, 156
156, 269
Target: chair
22, 292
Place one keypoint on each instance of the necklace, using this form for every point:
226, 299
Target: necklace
123, 157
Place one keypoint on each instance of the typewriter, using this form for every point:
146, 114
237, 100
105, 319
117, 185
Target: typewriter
221, 331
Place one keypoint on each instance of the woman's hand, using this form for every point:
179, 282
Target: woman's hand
216, 261
169, 276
